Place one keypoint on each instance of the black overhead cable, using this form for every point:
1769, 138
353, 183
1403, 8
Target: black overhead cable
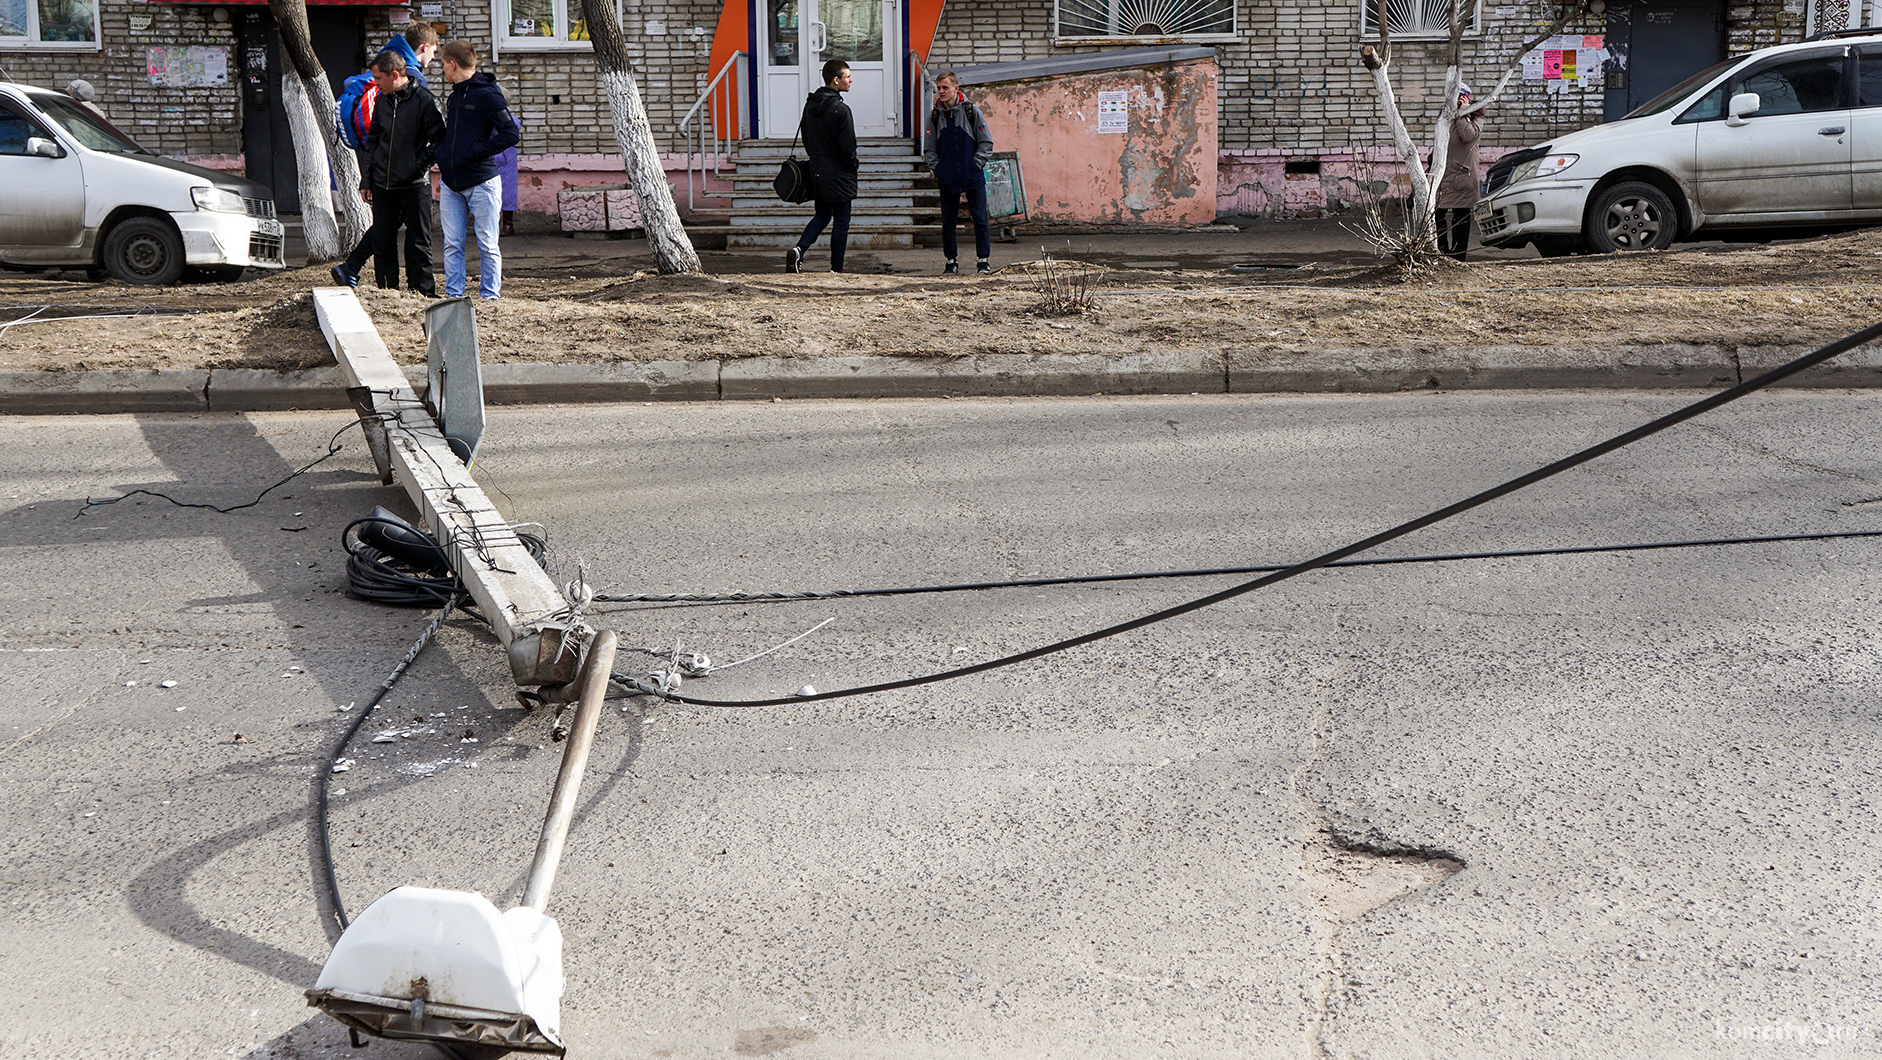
1697, 408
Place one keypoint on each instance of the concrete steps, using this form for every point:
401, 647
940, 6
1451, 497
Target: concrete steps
896, 201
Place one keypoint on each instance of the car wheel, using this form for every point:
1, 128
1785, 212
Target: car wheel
146, 251
1631, 216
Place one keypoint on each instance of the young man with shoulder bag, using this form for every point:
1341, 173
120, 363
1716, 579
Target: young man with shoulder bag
830, 142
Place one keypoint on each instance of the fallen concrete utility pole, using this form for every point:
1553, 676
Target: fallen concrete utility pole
429, 965
523, 605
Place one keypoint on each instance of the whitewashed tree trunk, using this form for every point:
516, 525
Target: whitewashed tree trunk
355, 216
318, 149
310, 159
640, 157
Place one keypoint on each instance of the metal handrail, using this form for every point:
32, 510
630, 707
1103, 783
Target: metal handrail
924, 97
712, 130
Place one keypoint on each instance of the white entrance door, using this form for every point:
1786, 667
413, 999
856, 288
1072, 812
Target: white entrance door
795, 37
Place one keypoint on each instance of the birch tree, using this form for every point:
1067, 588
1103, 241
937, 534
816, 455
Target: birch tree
1418, 242
308, 97
672, 249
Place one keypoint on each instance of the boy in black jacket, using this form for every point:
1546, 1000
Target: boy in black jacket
400, 148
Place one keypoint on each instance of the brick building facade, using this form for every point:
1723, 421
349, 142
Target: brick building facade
1298, 118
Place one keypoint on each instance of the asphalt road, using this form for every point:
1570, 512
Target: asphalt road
1619, 805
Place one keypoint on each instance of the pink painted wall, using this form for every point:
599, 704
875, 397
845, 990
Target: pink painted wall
1257, 182
540, 178
1161, 169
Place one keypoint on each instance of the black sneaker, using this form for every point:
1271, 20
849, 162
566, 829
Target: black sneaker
794, 260
952, 268
343, 277
983, 268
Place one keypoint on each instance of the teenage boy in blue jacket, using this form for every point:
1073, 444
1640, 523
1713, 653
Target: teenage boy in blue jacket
956, 145
477, 128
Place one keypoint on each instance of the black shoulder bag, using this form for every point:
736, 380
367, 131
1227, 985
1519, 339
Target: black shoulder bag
793, 180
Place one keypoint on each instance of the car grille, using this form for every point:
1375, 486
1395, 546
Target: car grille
1500, 171
1489, 224
263, 247
263, 208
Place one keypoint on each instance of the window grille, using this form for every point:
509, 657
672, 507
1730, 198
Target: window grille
1124, 19
1415, 18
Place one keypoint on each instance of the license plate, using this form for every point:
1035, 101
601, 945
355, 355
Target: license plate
271, 227
1482, 209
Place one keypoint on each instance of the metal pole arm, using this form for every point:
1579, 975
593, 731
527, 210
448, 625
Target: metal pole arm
568, 781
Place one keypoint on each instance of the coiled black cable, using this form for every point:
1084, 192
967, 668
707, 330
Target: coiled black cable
385, 579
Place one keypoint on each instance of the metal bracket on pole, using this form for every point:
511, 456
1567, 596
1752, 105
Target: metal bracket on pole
454, 375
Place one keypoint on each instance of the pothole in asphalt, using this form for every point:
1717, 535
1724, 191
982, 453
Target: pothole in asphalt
1349, 877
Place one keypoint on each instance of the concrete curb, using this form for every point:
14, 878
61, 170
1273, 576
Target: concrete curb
981, 375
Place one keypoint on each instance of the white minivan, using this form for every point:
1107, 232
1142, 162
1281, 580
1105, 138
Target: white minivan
74, 191
1783, 137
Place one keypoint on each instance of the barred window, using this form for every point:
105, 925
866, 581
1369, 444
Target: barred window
1133, 20
1414, 18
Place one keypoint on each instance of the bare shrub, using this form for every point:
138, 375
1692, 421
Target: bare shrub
1065, 288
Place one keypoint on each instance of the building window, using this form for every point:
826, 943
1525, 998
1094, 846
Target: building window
67, 24
1135, 21
1414, 18
538, 25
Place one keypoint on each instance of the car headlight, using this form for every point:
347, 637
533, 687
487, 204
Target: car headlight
1546, 166
218, 200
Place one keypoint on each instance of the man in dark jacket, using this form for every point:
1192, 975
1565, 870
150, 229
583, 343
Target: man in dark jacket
400, 148
956, 146
830, 141
477, 128
415, 44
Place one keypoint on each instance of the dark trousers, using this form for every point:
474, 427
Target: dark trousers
977, 209
839, 233
410, 208
1453, 231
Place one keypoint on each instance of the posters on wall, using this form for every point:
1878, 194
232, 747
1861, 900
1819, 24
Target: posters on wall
1567, 61
192, 66
1114, 111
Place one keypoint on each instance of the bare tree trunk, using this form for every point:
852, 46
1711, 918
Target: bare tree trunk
318, 150
640, 157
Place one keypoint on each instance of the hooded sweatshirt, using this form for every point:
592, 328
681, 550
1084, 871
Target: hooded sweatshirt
403, 47
830, 141
956, 145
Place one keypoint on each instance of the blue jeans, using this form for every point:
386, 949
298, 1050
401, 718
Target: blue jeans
477, 208
839, 234
977, 209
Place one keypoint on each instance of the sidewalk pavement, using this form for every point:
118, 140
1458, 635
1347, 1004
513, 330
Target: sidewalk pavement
1253, 245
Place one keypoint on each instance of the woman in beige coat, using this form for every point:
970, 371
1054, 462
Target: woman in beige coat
1457, 191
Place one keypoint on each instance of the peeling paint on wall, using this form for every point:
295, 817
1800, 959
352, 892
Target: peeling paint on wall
1161, 170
